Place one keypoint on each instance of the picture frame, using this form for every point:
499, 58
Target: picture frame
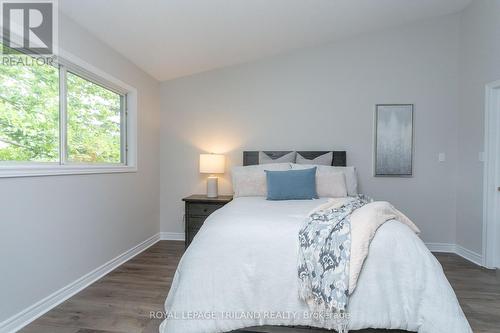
393, 148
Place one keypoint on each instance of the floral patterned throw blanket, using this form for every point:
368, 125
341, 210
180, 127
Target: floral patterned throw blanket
324, 257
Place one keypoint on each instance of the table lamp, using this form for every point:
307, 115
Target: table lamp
212, 164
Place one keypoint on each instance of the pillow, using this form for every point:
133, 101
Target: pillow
325, 159
250, 181
351, 180
330, 183
265, 159
291, 184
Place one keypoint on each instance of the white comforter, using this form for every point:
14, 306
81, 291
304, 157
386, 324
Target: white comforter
240, 271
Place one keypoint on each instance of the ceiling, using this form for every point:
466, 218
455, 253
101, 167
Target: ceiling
174, 38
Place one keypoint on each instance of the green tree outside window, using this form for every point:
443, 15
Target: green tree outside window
29, 117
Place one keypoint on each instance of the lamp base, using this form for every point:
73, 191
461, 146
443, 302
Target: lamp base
212, 187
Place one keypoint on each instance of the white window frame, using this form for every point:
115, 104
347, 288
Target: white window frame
128, 131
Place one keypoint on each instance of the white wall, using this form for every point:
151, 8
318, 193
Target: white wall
479, 64
323, 99
53, 230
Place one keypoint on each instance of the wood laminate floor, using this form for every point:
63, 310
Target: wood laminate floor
121, 301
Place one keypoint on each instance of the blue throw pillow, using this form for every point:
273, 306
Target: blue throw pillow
291, 184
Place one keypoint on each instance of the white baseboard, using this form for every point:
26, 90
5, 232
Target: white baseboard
23, 318
441, 247
467, 254
470, 255
176, 236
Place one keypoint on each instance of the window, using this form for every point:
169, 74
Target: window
29, 113
94, 116
62, 117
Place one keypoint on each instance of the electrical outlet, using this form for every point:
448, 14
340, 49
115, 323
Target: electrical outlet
442, 157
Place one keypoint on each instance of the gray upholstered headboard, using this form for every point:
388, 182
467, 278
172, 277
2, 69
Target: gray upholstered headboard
252, 157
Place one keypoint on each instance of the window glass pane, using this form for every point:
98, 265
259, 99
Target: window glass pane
29, 113
94, 116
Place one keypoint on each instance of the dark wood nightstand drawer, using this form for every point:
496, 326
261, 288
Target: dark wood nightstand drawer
195, 222
199, 209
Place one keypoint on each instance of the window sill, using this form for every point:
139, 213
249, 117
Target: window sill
60, 170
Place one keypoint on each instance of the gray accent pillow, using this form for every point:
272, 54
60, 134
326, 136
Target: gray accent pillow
265, 159
325, 159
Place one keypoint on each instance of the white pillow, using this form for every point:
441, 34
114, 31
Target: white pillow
351, 180
287, 158
325, 159
250, 181
330, 183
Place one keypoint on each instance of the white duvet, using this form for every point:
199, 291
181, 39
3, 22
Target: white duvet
241, 271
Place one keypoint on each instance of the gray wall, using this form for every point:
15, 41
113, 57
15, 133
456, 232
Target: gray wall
324, 98
479, 65
54, 230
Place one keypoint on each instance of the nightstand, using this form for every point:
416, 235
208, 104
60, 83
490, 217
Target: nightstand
197, 208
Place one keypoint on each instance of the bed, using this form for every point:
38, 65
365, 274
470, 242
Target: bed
240, 271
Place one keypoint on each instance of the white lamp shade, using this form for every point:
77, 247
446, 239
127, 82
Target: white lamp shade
212, 163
